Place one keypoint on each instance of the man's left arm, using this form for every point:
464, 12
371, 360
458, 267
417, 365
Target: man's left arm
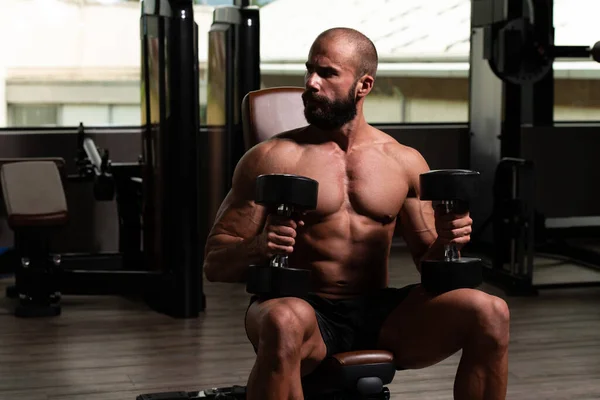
426, 231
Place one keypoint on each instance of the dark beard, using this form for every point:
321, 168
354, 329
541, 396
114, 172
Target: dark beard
327, 114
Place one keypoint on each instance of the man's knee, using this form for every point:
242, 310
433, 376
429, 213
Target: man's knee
282, 326
491, 320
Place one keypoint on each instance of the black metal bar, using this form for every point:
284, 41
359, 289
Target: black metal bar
152, 97
129, 209
181, 233
538, 98
249, 51
566, 285
172, 231
570, 51
106, 261
202, 182
231, 106
510, 145
248, 70
98, 282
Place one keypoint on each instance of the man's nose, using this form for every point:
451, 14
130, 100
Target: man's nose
312, 82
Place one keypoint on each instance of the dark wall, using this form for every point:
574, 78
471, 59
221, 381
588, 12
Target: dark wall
566, 173
441, 146
93, 225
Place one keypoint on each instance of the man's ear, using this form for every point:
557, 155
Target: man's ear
365, 85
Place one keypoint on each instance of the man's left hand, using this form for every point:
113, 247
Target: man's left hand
453, 228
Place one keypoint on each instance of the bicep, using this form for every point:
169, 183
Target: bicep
237, 219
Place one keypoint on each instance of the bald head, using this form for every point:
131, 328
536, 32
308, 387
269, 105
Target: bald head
340, 72
364, 53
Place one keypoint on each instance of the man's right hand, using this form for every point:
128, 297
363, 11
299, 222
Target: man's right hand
278, 235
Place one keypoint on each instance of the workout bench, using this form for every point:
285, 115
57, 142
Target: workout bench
36, 208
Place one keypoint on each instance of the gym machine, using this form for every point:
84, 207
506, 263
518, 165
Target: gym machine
511, 86
161, 225
233, 71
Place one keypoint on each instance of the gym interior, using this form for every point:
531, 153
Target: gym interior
106, 103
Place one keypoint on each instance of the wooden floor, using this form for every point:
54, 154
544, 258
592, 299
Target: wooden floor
112, 348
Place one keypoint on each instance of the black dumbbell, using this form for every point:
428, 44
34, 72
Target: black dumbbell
288, 196
453, 190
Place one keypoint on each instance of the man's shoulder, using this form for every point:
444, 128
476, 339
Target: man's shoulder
409, 160
398, 151
291, 139
280, 147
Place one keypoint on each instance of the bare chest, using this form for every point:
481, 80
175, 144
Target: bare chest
366, 183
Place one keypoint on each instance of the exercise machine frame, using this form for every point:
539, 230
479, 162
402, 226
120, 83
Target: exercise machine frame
511, 86
167, 267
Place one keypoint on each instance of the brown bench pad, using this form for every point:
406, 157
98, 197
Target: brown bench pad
33, 194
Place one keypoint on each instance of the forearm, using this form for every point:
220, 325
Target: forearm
229, 259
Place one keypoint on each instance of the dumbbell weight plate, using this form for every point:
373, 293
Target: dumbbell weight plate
292, 190
440, 276
268, 282
449, 184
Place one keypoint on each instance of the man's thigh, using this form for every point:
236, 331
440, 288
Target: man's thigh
285, 313
424, 330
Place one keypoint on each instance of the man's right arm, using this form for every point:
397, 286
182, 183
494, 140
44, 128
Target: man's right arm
235, 240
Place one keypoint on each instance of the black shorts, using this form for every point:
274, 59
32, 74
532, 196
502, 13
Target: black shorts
355, 323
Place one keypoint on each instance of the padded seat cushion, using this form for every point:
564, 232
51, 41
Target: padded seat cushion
33, 194
268, 112
344, 370
363, 357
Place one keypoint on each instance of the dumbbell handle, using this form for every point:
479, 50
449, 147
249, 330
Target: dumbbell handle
450, 250
281, 260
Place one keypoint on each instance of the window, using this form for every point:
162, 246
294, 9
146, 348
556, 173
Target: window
576, 81
72, 61
30, 115
73, 114
87, 54
423, 50
125, 114
81, 60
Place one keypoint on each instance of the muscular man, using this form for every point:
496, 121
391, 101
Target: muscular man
368, 183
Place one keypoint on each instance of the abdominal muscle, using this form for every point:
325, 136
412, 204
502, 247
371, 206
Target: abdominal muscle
346, 257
